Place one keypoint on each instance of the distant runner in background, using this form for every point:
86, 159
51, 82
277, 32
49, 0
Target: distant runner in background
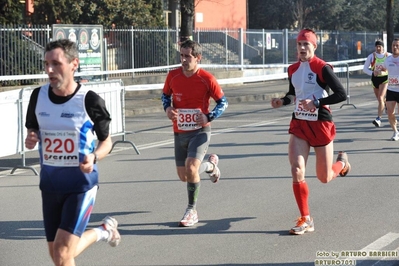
380, 81
391, 64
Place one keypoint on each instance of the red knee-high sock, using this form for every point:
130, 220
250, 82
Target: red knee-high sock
301, 192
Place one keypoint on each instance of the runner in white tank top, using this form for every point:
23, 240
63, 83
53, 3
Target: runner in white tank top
391, 65
375, 61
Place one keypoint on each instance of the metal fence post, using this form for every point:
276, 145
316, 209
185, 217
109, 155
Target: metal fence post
132, 30
321, 44
348, 97
241, 47
285, 46
263, 47
105, 57
167, 47
226, 47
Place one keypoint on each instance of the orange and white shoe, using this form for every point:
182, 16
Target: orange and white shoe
343, 157
302, 226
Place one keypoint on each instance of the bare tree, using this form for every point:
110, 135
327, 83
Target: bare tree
300, 12
187, 9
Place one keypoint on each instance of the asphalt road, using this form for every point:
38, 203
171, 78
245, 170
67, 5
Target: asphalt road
244, 218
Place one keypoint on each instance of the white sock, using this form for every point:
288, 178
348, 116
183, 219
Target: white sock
210, 168
102, 234
206, 167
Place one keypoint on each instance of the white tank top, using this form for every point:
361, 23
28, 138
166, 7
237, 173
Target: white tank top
66, 130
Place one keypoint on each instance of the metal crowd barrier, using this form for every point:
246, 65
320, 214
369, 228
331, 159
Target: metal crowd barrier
113, 92
13, 109
342, 72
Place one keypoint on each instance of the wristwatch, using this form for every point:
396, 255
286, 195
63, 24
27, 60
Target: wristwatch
316, 103
95, 158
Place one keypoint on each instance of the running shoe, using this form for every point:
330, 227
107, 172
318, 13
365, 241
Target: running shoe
215, 173
111, 224
190, 218
343, 157
302, 226
395, 136
377, 122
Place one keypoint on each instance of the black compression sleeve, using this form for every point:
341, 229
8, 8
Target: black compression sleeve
336, 86
95, 106
31, 119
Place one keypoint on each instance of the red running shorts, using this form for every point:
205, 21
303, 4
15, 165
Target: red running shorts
316, 133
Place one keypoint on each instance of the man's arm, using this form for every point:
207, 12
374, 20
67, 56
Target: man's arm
218, 110
31, 122
336, 86
367, 64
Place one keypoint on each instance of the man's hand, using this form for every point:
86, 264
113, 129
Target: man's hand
31, 139
171, 113
202, 119
308, 104
86, 166
276, 102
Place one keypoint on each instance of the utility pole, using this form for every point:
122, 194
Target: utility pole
187, 10
389, 25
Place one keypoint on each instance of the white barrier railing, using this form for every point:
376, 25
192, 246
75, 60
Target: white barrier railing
10, 111
13, 107
113, 92
166, 68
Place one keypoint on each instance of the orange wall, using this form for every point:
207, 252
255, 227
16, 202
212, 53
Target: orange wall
218, 14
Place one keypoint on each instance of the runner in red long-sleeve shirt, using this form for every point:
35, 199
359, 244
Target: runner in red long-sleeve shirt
186, 100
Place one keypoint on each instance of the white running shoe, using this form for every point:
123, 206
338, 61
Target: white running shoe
377, 123
190, 218
215, 174
395, 136
111, 225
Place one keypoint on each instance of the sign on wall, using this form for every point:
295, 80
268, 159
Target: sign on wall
89, 41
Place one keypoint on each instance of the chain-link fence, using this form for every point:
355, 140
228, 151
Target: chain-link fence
21, 52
